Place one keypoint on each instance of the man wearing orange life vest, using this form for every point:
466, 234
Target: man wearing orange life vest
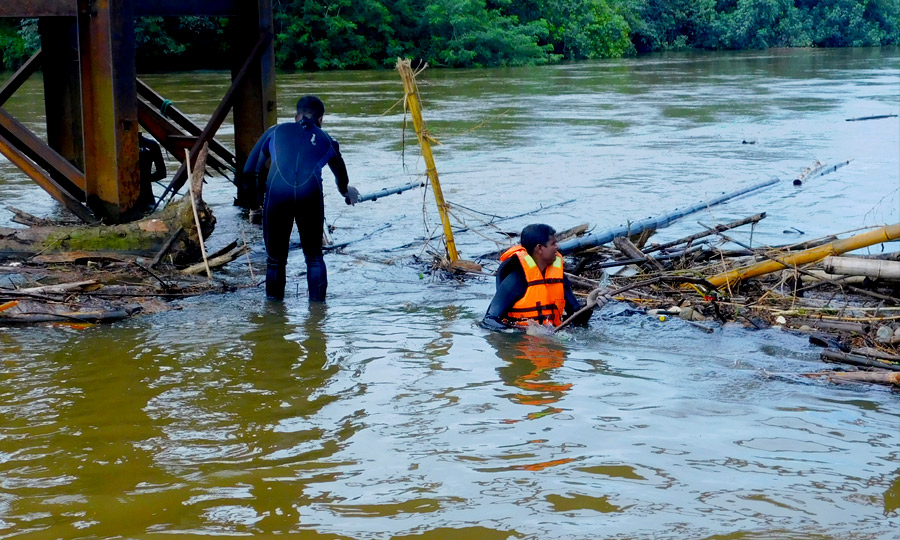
531, 285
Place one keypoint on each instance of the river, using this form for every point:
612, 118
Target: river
389, 413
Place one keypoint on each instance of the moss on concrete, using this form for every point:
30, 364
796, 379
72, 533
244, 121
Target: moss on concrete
131, 238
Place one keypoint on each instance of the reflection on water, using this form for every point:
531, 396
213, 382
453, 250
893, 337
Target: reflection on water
389, 413
263, 405
530, 363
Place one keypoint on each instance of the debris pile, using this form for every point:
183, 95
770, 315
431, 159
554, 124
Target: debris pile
79, 274
849, 304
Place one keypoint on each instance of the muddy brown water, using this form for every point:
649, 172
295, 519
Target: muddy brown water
388, 413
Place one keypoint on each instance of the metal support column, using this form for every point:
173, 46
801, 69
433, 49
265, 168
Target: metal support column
62, 88
254, 102
109, 104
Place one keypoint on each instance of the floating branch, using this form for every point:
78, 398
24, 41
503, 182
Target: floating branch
876, 117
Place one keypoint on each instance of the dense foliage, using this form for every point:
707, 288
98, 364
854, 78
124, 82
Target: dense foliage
342, 34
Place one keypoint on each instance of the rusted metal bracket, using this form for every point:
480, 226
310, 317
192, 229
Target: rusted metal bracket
26, 142
168, 111
218, 116
170, 136
92, 104
19, 77
20, 160
165, 8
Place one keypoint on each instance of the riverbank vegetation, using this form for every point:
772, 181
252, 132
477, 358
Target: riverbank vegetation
364, 34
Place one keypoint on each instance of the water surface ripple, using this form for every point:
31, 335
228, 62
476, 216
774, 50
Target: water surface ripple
389, 413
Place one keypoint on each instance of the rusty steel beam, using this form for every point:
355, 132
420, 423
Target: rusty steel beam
165, 8
63, 172
181, 120
178, 8
159, 127
55, 190
255, 103
170, 136
62, 87
109, 105
218, 116
19, 77
37, 8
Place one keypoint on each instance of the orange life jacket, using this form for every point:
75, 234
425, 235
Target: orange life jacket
545, 297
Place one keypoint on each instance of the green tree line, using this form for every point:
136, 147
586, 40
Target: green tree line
358, 34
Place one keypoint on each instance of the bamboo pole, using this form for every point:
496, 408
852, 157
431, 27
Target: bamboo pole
884, 234
187, 161
389, 191
718, 228
657, 222
874, 268
412, 103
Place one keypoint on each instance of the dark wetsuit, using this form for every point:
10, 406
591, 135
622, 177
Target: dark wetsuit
511, 286
297, 151
152, 167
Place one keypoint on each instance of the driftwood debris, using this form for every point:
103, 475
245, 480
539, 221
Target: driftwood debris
630, 250
873, 117
144, 237
846, 303
24, 218
89, 274
883, 234
657, 222
717, 229
878, 377
217, 260
855, 323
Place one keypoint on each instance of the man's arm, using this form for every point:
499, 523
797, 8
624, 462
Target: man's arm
159, 165
509, 290
573, 305
256, 162
341, 178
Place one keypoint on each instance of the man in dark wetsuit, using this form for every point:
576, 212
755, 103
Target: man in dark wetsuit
152, 168
539, 241
297, 151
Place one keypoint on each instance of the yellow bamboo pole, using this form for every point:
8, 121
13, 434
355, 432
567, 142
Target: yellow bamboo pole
412, 103
884, 234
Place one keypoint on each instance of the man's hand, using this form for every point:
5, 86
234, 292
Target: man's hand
493, 323
352, 195
598, 299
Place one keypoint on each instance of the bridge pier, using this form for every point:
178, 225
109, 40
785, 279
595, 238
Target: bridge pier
92, 102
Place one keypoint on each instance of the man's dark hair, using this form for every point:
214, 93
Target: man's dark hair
311, 107
534, 234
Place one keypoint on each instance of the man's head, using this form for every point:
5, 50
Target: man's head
539, 241
310, 107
